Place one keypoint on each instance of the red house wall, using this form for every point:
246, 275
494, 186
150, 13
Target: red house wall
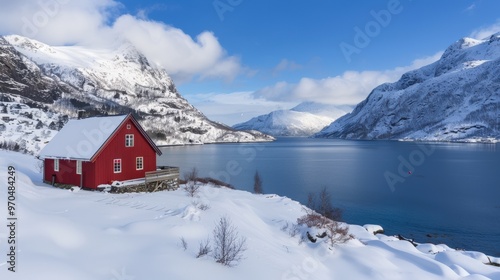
115, 149
66, 174
101, 171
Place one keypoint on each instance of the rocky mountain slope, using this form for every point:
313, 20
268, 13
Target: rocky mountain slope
457, 98
66, 79
27, 129
303, 120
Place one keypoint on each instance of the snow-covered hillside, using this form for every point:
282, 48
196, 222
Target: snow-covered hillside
64, 234
305, 119
68, 78
26, 129
457, 98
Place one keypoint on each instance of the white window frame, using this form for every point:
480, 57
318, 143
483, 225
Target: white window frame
139, 161
56, 165
119, 162
78, 167
129, 126
129, 140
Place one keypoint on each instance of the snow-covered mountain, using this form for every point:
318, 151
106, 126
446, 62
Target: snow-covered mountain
305, 119
456, 98
27, 129
65, 79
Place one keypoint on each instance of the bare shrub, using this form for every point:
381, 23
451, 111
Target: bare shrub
294, 230
228, 245
337, 233
204, 248
191, 175
39, 165
285, 227
322, 215
191, 187
184, 244
312, 219
202, 206
257, 183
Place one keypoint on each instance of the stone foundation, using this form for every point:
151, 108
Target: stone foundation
169, 185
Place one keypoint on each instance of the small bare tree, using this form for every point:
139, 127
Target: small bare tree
204, 248
39, 165
228, 246
257, 183
191, 187
325, 207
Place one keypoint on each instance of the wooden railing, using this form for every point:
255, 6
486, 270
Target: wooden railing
165, 173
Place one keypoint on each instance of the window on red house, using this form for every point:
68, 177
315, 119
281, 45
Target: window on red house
117, 165
78, 167
139, 163
129, 140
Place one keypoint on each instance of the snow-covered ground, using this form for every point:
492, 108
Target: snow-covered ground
64, 234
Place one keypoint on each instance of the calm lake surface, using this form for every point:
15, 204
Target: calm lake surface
432, 192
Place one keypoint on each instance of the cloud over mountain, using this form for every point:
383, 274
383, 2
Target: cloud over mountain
103, 24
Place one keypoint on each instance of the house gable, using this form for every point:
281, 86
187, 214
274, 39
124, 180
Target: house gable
129, 124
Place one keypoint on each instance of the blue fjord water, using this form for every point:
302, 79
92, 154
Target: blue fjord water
432, 192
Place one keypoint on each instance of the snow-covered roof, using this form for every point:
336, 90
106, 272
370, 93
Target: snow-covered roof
81, 139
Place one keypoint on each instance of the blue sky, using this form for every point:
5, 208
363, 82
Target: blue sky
235, 59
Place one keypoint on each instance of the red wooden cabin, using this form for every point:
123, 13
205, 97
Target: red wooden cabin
94, 151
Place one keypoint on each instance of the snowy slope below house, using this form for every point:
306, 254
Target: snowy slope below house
91, 235
303, 120
457, 98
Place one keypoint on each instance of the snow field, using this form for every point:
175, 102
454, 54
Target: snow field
66, 234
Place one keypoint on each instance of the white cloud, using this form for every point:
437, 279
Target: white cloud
99, 23
176, 51
471, 7
349, 88
57, 21
286, 65
486, 31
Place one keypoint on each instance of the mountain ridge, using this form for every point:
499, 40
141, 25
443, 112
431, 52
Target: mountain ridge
65, 79
456, 98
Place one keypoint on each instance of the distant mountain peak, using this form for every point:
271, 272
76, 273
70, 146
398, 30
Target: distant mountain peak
304, 119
